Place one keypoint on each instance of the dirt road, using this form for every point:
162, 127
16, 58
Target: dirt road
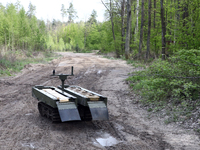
21, 126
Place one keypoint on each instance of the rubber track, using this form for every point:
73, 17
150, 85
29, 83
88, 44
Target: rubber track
49, 112
85, 113
53, 114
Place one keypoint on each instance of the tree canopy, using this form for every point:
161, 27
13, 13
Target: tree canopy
157, 28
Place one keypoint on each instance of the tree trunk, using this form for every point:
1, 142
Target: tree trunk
149, 32
141, 29
170, 32
13, 41
154, 24
112, 23
85, 34
136, 25
122, 25
128, 30
175, 23
163, 29
154, 20
113, 31
5, 42
185, 13
178, 15
9, 41
137, 16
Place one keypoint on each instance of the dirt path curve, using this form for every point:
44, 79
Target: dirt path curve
21, 126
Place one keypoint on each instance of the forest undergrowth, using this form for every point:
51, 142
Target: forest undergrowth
172, 88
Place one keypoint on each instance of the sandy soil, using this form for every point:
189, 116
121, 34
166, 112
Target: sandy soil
21, 126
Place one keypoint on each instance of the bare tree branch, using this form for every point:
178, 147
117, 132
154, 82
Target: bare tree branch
117, 4
105, 6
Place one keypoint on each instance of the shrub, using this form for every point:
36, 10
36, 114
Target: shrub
177, 79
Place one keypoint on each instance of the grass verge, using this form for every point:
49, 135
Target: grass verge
14, 61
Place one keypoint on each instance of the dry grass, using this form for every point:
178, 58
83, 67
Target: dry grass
13, 61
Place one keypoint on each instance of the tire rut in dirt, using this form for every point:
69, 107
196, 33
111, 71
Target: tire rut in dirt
152, 141
109, 127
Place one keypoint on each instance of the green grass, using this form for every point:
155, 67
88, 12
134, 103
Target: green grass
9, 64
137, 64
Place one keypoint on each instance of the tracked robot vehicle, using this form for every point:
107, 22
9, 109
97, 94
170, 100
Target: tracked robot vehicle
69, 103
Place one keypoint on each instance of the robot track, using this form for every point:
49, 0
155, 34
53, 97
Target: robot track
85, 113
53, 114
49, 112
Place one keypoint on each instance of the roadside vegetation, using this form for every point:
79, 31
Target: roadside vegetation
13, 62
173, 85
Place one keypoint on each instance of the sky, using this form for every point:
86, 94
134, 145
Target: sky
50, 9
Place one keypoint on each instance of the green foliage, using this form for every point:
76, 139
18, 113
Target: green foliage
68, 46
182, 27
175, 80
61, 44
94, 38
63, 11
87, 36
13, 62
21, 30
50, 43
74, 35
107, 42
71, 13
9, 64
93, 17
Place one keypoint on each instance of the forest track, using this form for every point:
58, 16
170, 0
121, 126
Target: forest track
22, 127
